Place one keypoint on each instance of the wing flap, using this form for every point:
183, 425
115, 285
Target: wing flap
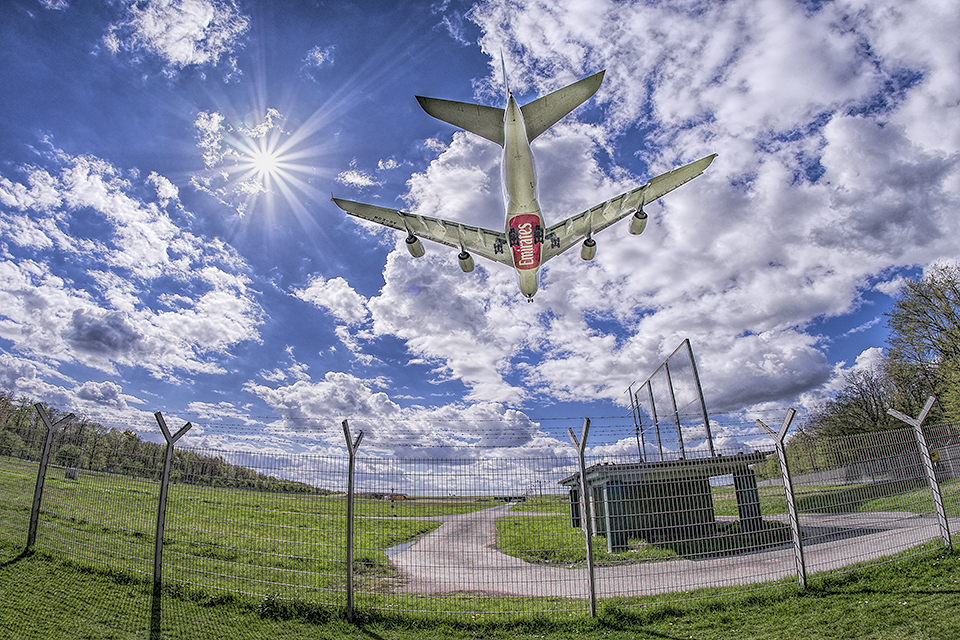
485, 243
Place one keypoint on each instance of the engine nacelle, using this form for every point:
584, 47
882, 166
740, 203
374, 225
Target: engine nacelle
415, 247
589, 249
466, 262
638, 223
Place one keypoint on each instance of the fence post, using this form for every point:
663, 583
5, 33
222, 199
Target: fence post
42, 472
585, 515
778, 437
162, 507
917, 424
352, 450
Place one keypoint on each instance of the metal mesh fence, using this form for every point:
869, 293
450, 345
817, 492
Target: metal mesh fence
861, 497
20, 446
493, 534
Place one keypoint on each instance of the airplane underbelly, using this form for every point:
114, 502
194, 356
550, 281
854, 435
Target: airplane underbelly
529, 281
525, 233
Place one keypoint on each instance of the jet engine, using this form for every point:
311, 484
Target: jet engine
638, 222
466, 262
414, 246
589, 249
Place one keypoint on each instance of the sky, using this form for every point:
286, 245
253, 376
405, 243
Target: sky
167, 240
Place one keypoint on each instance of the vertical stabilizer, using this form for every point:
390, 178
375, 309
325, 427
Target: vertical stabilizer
506, 85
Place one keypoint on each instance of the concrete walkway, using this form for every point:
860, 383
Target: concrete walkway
461, 556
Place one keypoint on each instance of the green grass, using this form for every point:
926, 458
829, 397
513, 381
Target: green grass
903, 495
551, 540
218, 538
231, 554
913, 598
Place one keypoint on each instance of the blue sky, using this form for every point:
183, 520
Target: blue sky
147, 262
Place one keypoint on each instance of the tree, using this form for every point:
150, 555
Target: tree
859, 407
925, 338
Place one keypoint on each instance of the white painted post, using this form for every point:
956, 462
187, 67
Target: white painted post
42, 473
162, 506
778, 437
352, 450
917, 424
585, 515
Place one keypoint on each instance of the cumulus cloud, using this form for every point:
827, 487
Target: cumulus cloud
830, 176
139, 290
102, 393
181, 32
316, 409
337, 297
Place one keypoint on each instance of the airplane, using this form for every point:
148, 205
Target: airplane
526, 242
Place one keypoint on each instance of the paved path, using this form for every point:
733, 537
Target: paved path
461, 556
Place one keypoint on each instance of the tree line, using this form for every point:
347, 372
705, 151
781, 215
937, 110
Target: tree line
922, 358
85, 444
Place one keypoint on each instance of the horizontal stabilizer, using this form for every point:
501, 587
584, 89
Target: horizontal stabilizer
486, 122
543, 113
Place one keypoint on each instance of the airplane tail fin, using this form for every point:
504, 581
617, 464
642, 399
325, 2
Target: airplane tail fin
506, 85
539, 115
543, 113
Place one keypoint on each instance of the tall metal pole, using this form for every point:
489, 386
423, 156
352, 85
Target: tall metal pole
703, 404
656, 422
352, 450
917, 424
635, 412
778, 437
585, 513
42, 473
676, 411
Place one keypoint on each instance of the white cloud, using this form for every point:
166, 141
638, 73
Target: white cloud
182, 32
319, 57
357, 179
827, 178
468, 431
97, 307
102, 393
210, 130
337, 297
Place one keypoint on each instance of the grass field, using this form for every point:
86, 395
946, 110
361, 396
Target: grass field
230, 540
915, 598
283, 556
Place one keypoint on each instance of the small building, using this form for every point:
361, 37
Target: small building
664, 501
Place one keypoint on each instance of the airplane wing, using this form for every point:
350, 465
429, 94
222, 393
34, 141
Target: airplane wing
491, 245
563, 235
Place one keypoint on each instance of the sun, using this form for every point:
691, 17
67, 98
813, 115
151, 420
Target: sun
266, 162
260, 164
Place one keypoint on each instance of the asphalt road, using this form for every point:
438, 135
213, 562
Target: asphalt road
461, 556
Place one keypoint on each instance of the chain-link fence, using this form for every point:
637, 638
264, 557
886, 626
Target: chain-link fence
497, 534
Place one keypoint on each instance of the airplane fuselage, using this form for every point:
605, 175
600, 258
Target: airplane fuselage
524, 223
